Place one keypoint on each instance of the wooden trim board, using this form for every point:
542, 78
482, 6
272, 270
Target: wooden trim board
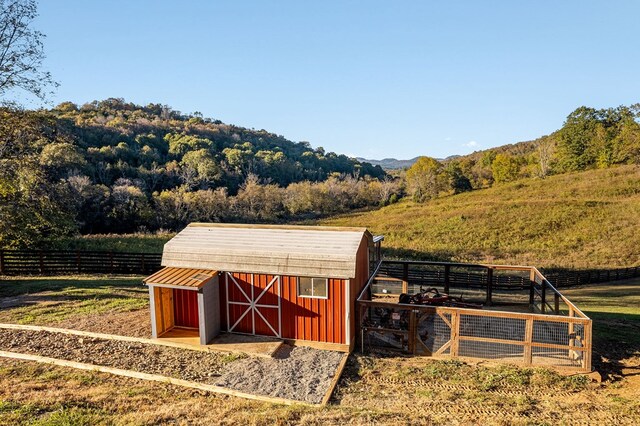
152, 377
109, 337
335, 380
338, 347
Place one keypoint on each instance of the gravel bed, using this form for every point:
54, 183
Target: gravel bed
298, 373
179, 363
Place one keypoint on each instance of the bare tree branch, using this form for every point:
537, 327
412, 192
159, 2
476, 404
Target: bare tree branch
22, 50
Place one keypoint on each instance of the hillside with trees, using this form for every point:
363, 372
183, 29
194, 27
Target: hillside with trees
117, 167
587, 219
589, 139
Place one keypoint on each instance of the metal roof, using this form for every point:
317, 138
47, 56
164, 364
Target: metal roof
315, 251
181, 277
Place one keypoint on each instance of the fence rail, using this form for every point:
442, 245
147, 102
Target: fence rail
56, 262
554, 332
475, 275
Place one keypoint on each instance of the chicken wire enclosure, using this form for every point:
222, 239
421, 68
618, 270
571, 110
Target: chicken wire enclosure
524, 318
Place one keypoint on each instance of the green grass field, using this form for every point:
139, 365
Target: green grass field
385, 389
580, 220
135, 243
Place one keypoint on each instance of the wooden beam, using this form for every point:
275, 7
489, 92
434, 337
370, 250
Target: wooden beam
335, 380
151, 377
528, 340
338, 347
455, 334
159, 342
489, 300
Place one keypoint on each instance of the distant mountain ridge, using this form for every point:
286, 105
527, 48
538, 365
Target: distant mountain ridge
395, 164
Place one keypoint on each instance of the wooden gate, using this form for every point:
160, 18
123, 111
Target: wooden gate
253, 304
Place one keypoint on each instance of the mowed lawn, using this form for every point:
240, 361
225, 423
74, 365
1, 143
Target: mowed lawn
376, 388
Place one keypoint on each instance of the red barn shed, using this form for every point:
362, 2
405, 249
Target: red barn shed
297, 283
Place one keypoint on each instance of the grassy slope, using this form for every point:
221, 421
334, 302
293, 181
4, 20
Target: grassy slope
579, 220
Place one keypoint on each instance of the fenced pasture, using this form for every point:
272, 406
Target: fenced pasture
523, 319
62, 262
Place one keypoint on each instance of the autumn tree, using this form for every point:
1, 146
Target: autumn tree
505, 168
425, 179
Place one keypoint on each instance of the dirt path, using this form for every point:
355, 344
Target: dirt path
299, 373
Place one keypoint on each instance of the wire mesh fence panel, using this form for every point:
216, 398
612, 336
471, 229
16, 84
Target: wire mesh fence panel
386, 327
492, 327
491, 350
556, 357
510, 329
433, 333
384, 285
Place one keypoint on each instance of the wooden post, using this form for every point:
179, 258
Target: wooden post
586, 354
78, 260
447, 278
532, 283
405, 272
528, 339
572, 339
413, 335
543, 304
1, 262
144, 269
455, 332
556, 303
489, 286
41, 261
111, 261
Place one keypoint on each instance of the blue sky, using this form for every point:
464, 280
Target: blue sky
367, 78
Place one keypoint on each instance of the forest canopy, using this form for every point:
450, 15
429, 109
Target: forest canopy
113, 166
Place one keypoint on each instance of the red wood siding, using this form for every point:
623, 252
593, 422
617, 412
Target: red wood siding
303, 318
358, 283
319, 320
185, 308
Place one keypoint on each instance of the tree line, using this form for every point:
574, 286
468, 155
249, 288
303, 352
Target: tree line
589, 138
112, 166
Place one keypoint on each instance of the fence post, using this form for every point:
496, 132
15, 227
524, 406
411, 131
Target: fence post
455, 331
78, 260
489, 286
556, 303
111, 261
41, 261
447, 269
413, 335
586, 353
543, 296
532, 283
1, 262
144, 269
528, 340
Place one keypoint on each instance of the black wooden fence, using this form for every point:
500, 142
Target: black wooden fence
58, 262
475, 276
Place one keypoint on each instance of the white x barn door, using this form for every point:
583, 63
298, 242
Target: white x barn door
253, 304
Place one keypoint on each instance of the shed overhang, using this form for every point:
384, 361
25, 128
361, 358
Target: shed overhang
183, 278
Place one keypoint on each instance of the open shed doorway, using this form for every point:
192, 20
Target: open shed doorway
177, 313
184, 305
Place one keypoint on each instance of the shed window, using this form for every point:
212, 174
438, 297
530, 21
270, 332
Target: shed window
312, 287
